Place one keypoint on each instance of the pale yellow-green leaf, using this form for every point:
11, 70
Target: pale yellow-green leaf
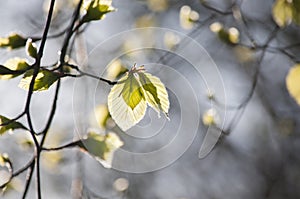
4, 159
17, 67
293, 82
282, 12
132, 92
101, 147
43, 81
124, 115
155, 92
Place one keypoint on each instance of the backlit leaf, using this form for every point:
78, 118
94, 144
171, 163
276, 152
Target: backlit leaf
7, 124
101, 147
13, 68
96, 10
155, 92
293, 82
122, 113
43, 81
132, 92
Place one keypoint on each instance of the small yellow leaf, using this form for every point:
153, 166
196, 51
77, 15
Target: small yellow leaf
293, 82
44, 79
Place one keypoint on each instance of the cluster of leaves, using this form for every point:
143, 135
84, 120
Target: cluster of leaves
286, 12
39, 78
127, 100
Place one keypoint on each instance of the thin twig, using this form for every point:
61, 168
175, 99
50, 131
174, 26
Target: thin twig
28, 179
81, 73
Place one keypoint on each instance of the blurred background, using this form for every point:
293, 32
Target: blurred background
224, 65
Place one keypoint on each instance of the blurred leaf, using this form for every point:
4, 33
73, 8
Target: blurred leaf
293, 82
188, 17
157, 5
96, 10
51, 159
5, 162
282, 12
7, 71
4, 159
229, 36
121, 184
9, 125
13, 68
296, 11
210, 117
43, 81
171, 40
101, 147
13, 41
244, 54
102, 115
31, 48
15, 184
115, 69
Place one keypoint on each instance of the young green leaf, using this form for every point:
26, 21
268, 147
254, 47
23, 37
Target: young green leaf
128, 99
96, 10
155, 92
101, 147
292, 82
13, 68
7, 124
31, 48
126, 113
43, 81
132, 92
